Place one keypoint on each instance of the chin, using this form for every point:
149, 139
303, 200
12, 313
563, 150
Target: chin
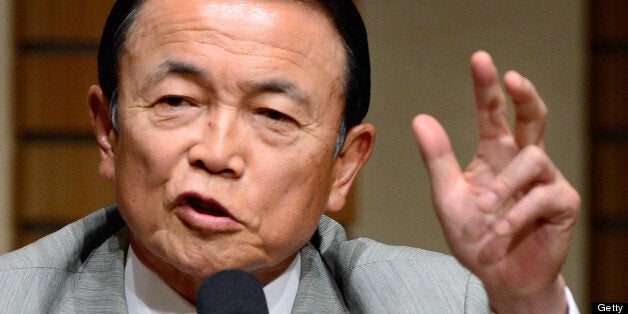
203, 263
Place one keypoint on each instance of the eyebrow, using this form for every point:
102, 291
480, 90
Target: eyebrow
278, 86
169, 66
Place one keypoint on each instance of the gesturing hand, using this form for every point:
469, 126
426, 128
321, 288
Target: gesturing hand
509, 216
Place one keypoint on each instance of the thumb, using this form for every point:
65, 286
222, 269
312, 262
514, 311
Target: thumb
438, 156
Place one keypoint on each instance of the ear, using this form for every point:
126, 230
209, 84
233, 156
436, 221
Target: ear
103, 130
355, 153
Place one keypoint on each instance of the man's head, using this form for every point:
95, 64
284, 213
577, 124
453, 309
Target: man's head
343, 14
228, 117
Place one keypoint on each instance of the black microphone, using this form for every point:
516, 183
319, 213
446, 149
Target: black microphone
231, 291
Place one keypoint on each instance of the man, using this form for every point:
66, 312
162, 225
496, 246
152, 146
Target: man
228, 127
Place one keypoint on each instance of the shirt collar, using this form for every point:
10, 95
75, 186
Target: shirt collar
147, 293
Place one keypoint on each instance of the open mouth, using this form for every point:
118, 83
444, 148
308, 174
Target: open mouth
204, 214
207, 207
203, 206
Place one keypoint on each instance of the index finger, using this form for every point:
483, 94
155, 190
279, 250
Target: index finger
489, 96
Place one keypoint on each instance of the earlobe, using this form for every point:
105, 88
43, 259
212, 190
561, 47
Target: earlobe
103, 130
355, 153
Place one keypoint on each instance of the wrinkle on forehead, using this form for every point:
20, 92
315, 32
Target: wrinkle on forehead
248, 47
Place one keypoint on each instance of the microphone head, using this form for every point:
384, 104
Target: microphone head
231, 291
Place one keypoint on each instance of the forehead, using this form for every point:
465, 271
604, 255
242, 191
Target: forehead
301, 27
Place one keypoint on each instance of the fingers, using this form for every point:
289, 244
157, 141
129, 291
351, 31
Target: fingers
557, 204
440, 161
490, 99
530, 110
530, 166
547, 193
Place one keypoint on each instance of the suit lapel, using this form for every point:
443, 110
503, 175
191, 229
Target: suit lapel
317, 288
99, 283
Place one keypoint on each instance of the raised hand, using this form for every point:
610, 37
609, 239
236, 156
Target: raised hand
509, 216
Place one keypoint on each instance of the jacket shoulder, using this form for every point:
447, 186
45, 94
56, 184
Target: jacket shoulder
39, 276
376, 277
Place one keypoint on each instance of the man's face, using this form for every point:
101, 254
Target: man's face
228, 113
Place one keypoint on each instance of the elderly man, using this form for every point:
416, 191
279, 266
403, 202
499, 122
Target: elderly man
229, 127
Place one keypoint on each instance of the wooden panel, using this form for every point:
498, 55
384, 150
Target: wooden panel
609, 19
59, 182
610, 281
609, 171
61, 20
610, 180
52, 92
610, 92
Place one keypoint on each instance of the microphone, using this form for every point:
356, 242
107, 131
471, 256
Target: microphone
231, 291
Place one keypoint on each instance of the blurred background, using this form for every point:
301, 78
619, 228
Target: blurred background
576, 53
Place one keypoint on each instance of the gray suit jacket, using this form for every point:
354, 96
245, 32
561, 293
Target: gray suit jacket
80, 269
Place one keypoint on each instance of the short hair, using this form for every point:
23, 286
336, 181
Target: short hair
343, 14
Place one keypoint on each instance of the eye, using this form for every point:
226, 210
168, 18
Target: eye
177, 108
174, 101
169, 105
273, 114
276, 115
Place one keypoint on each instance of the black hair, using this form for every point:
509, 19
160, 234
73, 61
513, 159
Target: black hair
112, 41
343, 14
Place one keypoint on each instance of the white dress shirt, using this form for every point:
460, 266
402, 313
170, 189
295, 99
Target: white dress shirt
147, 293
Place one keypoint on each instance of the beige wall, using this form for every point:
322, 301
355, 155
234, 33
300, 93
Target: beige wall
420, 52
6, 137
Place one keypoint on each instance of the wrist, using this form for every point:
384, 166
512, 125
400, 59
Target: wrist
549, 300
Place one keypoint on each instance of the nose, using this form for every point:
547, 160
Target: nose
219, 148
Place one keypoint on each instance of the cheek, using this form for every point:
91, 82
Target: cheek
147, 159
144, 164
296, 191
300, 175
